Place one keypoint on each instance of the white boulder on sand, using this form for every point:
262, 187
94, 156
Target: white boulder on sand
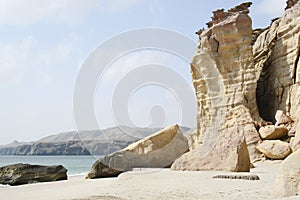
157, 150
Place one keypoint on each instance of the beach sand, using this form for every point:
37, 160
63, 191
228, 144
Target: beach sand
153, 184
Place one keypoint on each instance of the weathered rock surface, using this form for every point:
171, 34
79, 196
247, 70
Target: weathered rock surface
276, 58
274, 149
295, 111
224, 75
272, 132
230, 153
288, 179
157, 150
296, 141
19, 174
240, 116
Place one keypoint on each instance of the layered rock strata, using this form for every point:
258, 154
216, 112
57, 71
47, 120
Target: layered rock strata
223, 72
224, 78
276, 59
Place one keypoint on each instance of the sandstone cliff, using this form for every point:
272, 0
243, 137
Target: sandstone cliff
242, 77
276, 59
223, 75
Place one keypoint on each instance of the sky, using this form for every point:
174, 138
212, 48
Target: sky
45, 44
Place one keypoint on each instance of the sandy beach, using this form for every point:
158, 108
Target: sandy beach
153, 184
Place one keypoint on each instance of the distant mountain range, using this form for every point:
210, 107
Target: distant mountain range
95, 142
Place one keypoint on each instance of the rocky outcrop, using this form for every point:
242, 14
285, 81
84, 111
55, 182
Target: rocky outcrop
223, 73
275, 149
276, 59
157, 150
272, 132
243, 77
230, 153
224, 79
288, 179
19, 174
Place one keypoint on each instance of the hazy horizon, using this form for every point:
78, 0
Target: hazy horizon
45, 43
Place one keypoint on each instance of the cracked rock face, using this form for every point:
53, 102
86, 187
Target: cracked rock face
276, 60
224, 77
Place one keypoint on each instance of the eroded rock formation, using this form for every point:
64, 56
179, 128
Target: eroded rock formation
244, 77
223, 71
276, 59
224, 78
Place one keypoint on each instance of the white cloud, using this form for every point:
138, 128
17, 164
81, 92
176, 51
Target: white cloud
30, 60
71, 12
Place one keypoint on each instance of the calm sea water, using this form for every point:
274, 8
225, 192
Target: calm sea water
74, 164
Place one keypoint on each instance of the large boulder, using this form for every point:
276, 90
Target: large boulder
230, 153
18, 174
157, 150
272, 132
288, 179
275, 149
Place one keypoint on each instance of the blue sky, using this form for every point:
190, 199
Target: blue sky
43, 45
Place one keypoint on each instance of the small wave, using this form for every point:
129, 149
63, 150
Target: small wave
79, 174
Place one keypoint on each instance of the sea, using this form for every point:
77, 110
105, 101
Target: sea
76, 165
